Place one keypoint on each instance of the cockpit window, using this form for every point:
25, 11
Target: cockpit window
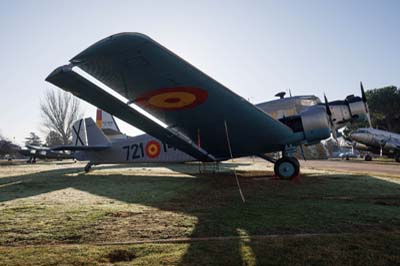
305, 102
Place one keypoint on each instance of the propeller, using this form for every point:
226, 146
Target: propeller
364, 99
329, 113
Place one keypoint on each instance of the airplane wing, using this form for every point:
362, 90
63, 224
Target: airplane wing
187, 100
66, 79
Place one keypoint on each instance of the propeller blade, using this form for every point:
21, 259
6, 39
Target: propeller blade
364, 99
329, 113
328, 109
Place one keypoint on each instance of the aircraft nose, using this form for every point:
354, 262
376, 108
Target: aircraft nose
355, 136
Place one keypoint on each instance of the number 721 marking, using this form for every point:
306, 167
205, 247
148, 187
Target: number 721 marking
136, 149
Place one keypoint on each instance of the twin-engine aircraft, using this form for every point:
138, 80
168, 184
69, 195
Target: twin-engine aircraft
205, 120
377, 141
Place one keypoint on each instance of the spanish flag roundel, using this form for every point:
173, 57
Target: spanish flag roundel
152, 149
173, 98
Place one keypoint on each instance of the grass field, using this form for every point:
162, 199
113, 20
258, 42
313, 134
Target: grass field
54, 214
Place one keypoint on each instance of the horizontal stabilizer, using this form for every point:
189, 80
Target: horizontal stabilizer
80, 148
39, 148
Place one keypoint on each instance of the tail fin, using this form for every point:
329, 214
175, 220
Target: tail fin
94, 135
107, 123
86, 133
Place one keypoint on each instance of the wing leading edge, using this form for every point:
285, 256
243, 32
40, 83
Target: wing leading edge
68, 80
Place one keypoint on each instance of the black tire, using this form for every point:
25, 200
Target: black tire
397, 157
368, 158
287, 168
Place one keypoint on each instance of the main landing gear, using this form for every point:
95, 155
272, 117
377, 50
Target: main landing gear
287, 167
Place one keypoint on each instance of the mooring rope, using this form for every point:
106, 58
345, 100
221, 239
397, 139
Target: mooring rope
234, 170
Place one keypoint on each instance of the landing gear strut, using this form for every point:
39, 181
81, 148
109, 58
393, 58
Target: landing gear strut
88, 167
368, 158
287, 167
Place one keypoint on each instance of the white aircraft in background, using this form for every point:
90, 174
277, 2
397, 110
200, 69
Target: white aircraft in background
377, 141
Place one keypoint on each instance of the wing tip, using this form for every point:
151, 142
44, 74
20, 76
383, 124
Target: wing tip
122, 36
58, 70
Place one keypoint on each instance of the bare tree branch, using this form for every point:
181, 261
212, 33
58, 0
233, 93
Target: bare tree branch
59, 110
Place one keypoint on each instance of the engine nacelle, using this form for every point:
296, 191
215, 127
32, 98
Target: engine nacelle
315, 124
357, 109
350, 110
360, 146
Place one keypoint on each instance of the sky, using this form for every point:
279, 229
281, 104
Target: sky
255, 48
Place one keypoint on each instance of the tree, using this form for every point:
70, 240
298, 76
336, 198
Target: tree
384, 108
384, 105
59, 111
53, 139
33, 139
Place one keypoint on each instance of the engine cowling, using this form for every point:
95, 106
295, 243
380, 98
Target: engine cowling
357, 108
312, 122
315, 124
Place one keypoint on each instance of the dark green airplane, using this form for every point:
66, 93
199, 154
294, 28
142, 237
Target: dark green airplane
203, 119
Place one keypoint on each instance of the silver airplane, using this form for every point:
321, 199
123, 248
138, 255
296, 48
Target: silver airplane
377, 141
341, 112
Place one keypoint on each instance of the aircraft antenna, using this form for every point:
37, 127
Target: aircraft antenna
234, 170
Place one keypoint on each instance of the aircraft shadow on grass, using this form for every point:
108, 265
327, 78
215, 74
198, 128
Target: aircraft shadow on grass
317, 204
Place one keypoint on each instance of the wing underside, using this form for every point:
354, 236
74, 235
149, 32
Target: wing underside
175, 92
67, 79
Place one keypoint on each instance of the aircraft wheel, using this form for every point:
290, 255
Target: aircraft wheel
368, 157
287, 168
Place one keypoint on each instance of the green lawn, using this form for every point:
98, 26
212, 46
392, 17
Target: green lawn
59, 216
